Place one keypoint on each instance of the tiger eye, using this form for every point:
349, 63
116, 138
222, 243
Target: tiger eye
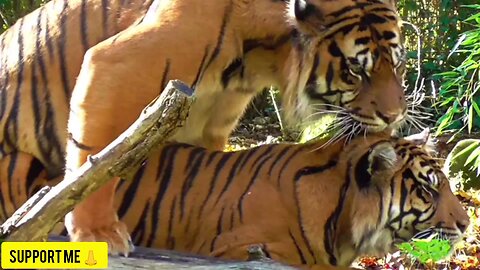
354, 66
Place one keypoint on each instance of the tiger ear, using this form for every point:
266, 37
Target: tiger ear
378, 159
424, 140
306, 16
382, 157
421, 139
393, 3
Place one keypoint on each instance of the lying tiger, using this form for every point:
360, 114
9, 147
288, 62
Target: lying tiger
306, 206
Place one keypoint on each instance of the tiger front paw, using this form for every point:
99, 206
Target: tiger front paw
116, 235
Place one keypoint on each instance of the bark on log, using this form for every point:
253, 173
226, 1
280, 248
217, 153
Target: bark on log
157, 122
147, 258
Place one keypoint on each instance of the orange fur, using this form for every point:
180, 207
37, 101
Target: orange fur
131, 68
310, 207
289, 198
40, 58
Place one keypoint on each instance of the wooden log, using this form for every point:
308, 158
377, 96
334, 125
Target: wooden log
157, 122
148, 258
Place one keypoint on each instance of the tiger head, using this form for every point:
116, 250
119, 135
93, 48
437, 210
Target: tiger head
347, 58
412, 195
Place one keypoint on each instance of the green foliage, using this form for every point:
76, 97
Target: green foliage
426, 251
463, 163
439, 23
11, 10
459, 100
459, 103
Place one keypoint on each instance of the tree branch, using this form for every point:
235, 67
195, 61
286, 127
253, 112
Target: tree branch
157, 122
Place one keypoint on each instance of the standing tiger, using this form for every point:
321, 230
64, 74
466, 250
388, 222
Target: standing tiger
321, 54
305, 206
40, 57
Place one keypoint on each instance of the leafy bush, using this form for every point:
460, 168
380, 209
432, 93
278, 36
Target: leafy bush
463, 164
459, 99
459, 103
11, 10
426, 251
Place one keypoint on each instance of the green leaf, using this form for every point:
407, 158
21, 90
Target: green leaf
405, 247
473, 156
426, 250
444, 121
477, 109
457, 44
466, 150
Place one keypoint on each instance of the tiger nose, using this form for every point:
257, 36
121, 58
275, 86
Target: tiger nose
388, 118
462, 225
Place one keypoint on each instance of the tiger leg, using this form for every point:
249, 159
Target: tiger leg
93, 124
118, 78
213, 117
21, 175
225, 114
210, 124
192, 133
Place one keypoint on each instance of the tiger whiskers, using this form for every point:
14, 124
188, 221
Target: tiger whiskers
343, 128
415, 122
342, 133
356, 129
327, 109
315, 115
416, 114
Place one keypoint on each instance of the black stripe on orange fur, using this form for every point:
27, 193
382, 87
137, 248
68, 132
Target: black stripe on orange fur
218, 230
331, 224
167, 160
226, 19
195, 159
105, 17
11, 126
299, 251
84, 25
201, 69
219, 166
259, 165
62, 53
234, 68
130, 192
139, 231
170, 237
277, 160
